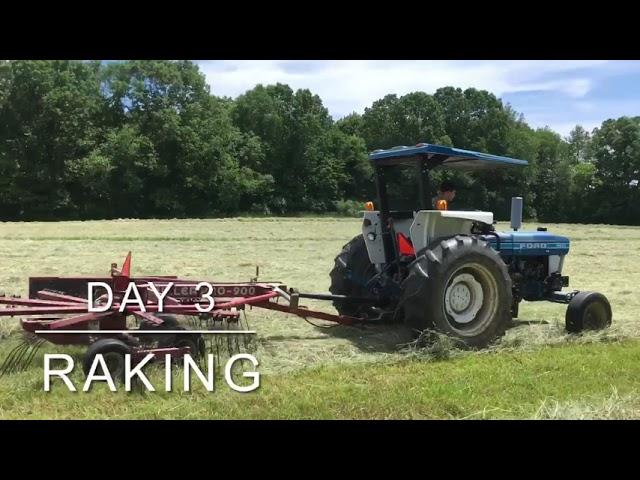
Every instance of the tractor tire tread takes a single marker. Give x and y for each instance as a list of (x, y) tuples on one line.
[(422, 288), (352, 269), (574, 316)]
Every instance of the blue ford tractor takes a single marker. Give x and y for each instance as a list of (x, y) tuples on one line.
[(445, 270)]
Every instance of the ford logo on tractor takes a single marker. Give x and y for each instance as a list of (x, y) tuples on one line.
[(535, 245)]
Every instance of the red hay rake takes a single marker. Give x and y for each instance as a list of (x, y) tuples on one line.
[(58, 311)]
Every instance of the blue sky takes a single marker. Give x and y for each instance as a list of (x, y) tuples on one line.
[(558, 94)]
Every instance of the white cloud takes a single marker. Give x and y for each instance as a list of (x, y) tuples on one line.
[(564, 128), (347, 86)]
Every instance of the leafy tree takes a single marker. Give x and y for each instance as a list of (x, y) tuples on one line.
[(408, 120), (552, 176), (352, 124), (300, 143), (616, 153), (474, 119), (194, 169), (49, 118), (477, 120), (148, 139), (578, 143)]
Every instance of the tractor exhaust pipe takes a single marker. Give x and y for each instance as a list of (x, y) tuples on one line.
[(516, 213)]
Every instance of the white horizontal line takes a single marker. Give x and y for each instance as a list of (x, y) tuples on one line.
[(155, 332)]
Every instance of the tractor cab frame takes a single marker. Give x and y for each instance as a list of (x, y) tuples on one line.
[(424, 158)]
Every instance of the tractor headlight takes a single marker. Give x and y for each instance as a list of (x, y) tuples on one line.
[(371, 236)]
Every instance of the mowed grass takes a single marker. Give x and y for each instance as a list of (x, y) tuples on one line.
[(344, 372)]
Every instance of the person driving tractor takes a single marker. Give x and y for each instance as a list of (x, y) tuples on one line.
[(447, 192)]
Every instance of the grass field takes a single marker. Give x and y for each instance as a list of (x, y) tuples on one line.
[(537, 371)]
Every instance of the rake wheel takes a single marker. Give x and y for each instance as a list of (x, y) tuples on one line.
[(112, 351), (195, 342)]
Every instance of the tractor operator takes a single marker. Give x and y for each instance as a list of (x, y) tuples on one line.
[(447, 191)]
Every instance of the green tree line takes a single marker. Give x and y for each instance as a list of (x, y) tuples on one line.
[(91, 140)]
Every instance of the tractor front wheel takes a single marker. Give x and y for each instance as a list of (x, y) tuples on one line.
[(588, 311), (459, 287)]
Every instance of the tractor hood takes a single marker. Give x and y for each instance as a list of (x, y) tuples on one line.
[(530, 243)]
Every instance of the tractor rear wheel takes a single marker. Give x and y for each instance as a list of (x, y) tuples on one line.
[(350, 275), (461, 288)]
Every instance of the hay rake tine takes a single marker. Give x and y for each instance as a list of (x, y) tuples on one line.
[(14, 361), (244, 324), (14, 358), (34, 350), (215, 342), (10, 360), (233, 325), (247, 338), (236, 346), (19, 360)]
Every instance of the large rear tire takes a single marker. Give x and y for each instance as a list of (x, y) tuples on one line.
[(461, 288), (350, 275)]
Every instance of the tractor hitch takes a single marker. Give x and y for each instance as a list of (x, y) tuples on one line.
[(559, 297), (344, 298)]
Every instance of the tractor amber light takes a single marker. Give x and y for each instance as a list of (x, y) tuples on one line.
[(442, 205), (369, 206)]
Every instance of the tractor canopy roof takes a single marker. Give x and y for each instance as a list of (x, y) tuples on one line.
[(438, 155)]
